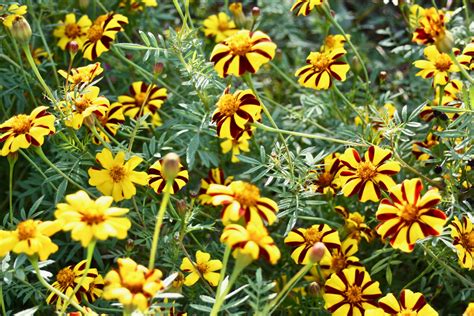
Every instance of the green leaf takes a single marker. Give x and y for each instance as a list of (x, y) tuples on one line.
[(191, 151)]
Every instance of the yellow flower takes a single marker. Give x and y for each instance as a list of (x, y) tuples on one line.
[(157, 178), (110, 121), (72, 30), (304, 7), (321, 68), (220, 26), (410, 304), (118, 177), (332, 42), (236, 145), (13, 11), (419, 148), (133, 285), (102, 33), (431, 25), (23, 130), (325, 179), (69, 277), (341, 258), (39, 54), (469, 310), (79, 106), (245, 51), (90, 220), (215, 176), (137, 5), (252, 240), (451, 97), (30, 237), (355, 225), (203, 266), (463, 239), (82, 75)]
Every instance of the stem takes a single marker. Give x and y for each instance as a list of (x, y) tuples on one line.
[(34, 263), (314, 136), (90, 252), (97, 135), (139, 115), (2, 302), (288, 286), (466, 11), (413, 170), (225, 260), (11, 162), (461, 68), (37, 168), (159, 222), (284, 75), (33, 66), (352, 106)]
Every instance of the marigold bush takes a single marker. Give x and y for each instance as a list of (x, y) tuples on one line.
[(190, 157)]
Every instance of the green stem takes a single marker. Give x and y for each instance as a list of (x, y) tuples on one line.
[(11, 162), (466, 11), (419, 276), (34, 263), (418, 173), (349, 103), (29, 57), (284, 75), (159, 222), (314, 136), (461, 68), (37, 168), (90, 252), (97, 135), (2, 302), (225, 260), (111, 137)]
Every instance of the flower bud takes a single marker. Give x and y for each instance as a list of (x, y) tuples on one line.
[(129, 245), (314, 289), (158, 68), (445, 42), (21, 30), (255, 12), (383, 76), (316, 253), (181, 207), (84, 4), (236, 10), (170, 165), (72, 47)]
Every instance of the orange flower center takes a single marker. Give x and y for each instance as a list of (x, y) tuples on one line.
[(140, 98), (443, 62), (255, 233), (239, 43), (66, 277), (325, 179), (320, 61), (353, 294), (312, 236), (228, 104), (202, 267), (366, 171), (356, 218), (338, 262), (81, 104), (134, 281), (223, 25), (247, 194), (72, 30), (408, 312), (117, 173), (26, 229), (330, 42), (21, 124), (409, 213), (468, 240), (92, 219), (95, 33)]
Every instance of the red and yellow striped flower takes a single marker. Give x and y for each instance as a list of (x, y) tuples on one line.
[(304, 7), (355, 225), (367, 175), (325, 179), (82, 75), (242, 200), (237, 145), (408, 216), (419, 149), (111, 120), (341, 258), (431, 26), (302, 239), (409, 304), (245, 51), (215, 176), (463, 239), (157, 178)]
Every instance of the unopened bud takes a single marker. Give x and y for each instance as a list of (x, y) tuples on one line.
[(170, 165), (445, 42), (314, 289), (72, 47), (383, 76), (357, 68), (83, 4), (21, 30), (129, 245), (12, 158), (255, 12), (181, 207), (158, 68), (316, 253), (236, 10)]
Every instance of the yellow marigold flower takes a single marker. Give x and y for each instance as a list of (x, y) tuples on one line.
[(242, 200), (23, 130), (463, 239), (321, 68), (39, 54), (235, 111), (431, 25), (407, 216), (236, 145), (332, 42), (82, 75), (252, 240), (325, 179), (139, 102), (13, 11), (102, 33), (92, 220), (31, 237), (203, 266), (410, 303), (367, 175), (220, 26), (69, 277), (72, 30), (137, 5), (469, 310), (350, 292), (355, 225), (82, 105), (450, 97), (157, 178), (118, 178), (215, 176), (245, 51), (133, 285), (341, 258), (469, 51), (112, 119), (304, 7), (419, 148), (302, 239), (438, 65)]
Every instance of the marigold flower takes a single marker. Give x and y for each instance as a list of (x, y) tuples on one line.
[(321, 68), (350, 292), (245, 51), (242, 200), (431, 25), (133, 285), (469, 310), (367, 175), (72, 30), (23, 130), (215, 176), (463, 239), (411, 303), (252, 240), (82, 75), (157, 178), (304, 7), (143, 100), (102, 33), (39, 55), (112, 119), (13, 11), (236, 145), (469, 51), (137, 5), (332, 42), (407, 216), (450, 97), (79, 106), (220, 26), (69, 277), (419, 148), (355, 225), (118, 177), (341, 258), (325, 179), (90, 220), (203, 266), (235, 111), (31, 237)]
